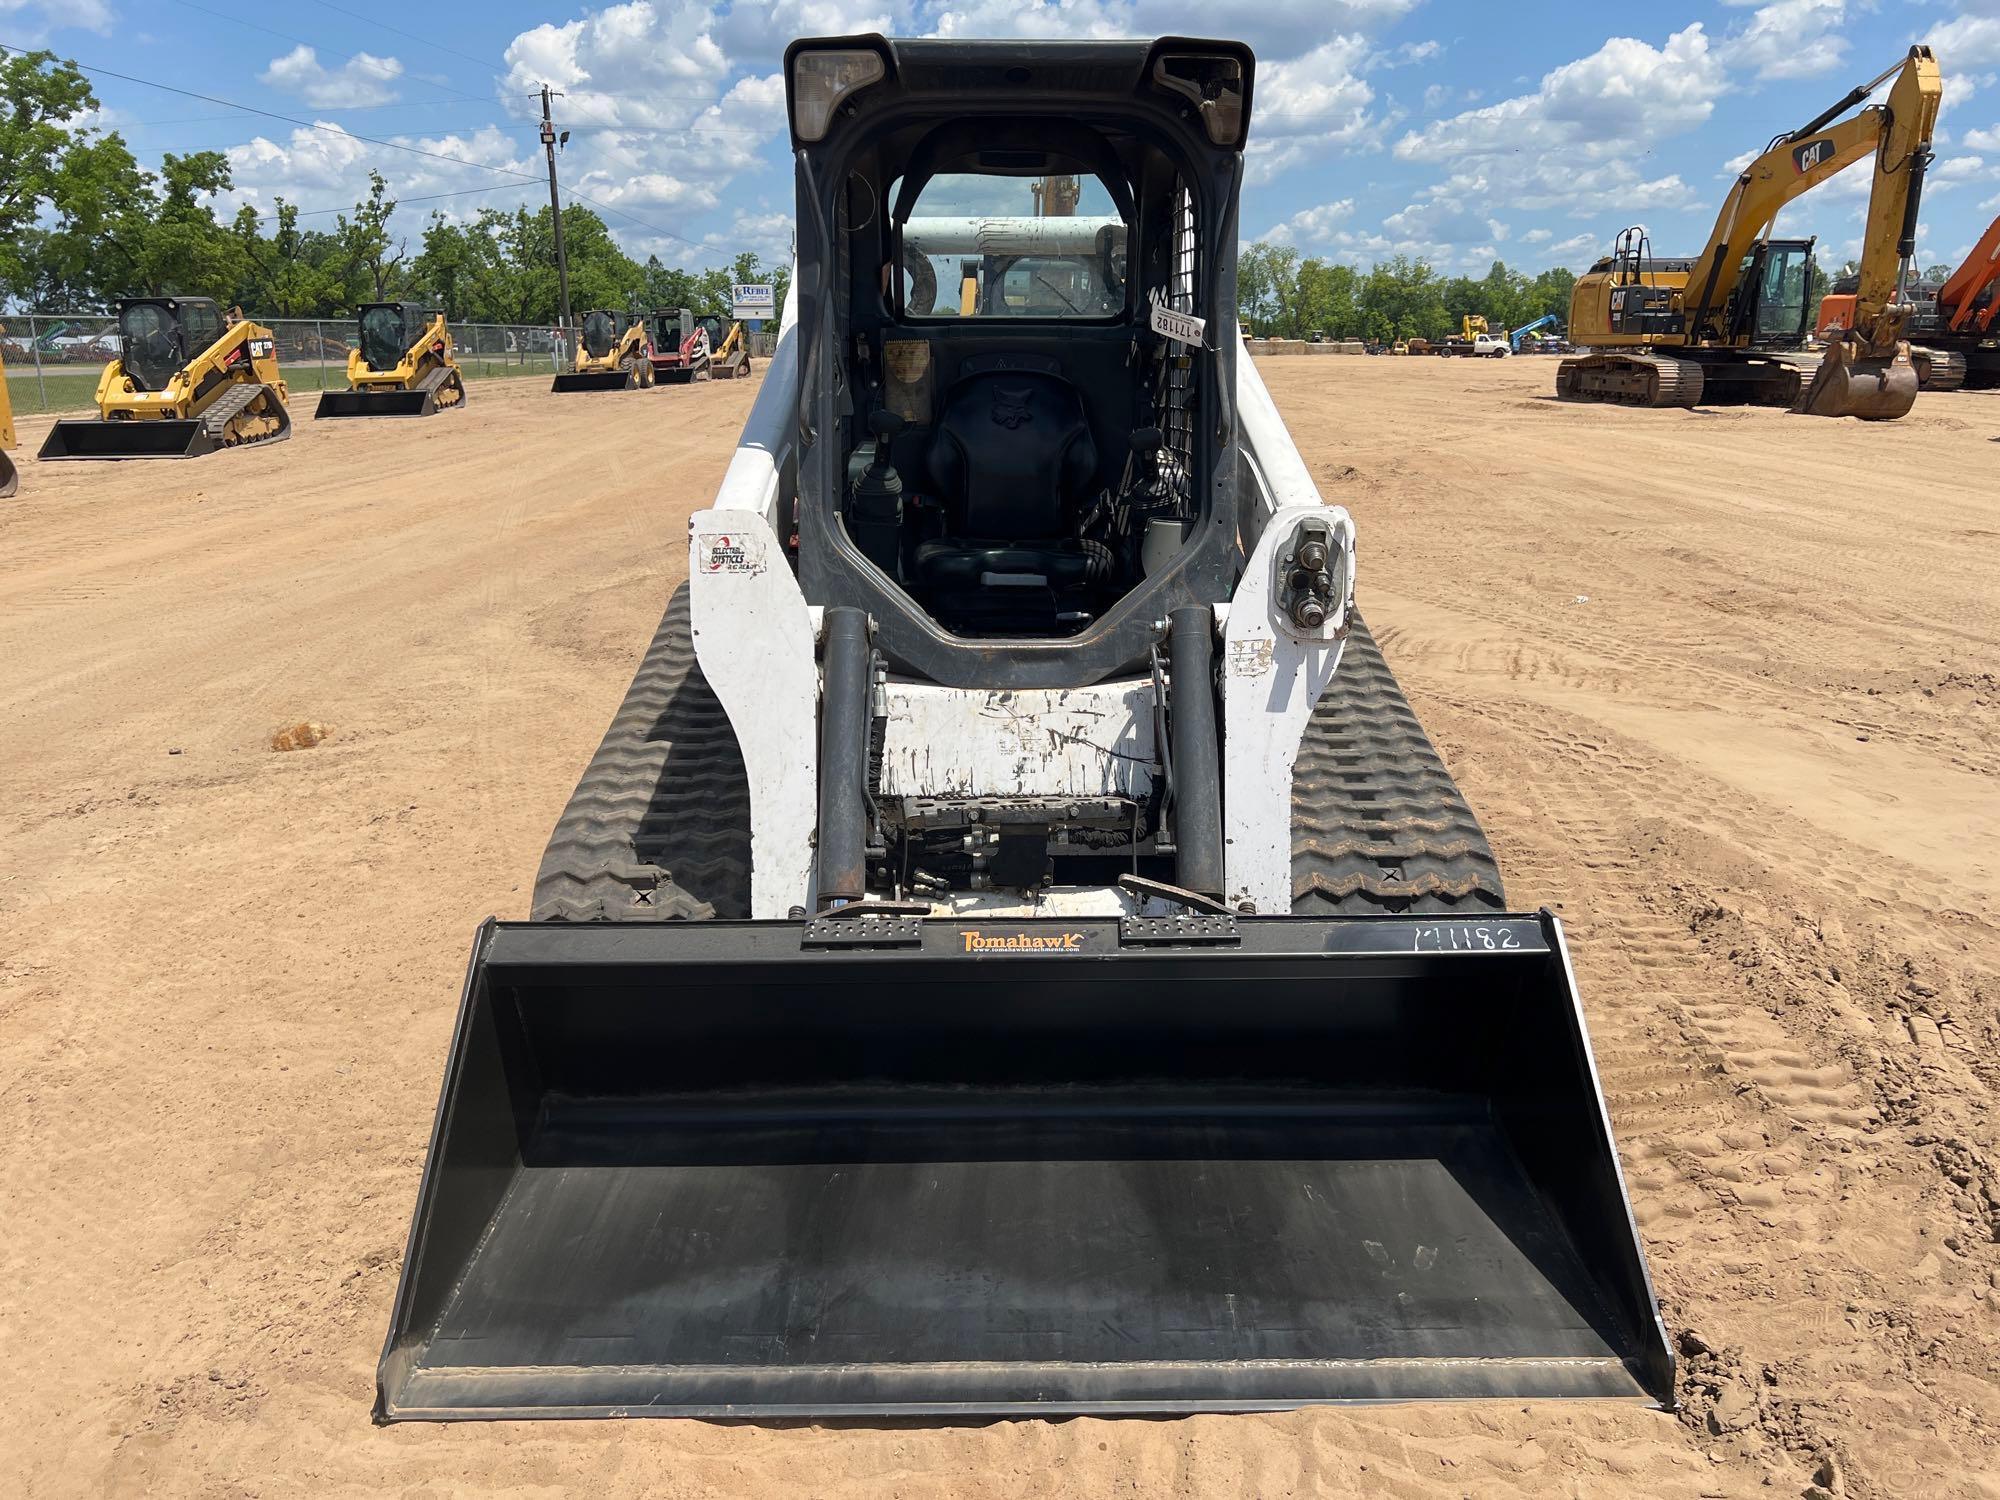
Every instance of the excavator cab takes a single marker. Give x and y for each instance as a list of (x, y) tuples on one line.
[(1772, 301)]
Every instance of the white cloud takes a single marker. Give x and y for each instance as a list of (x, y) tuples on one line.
[(1310, 106), (1626, 94), (326, 167), (1967, 41), (1791, 38), (1981, 140), (1537, 237), (1313, 226), (363, 81), (30, 21), (1277, 29)]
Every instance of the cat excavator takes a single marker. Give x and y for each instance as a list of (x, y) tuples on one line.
[(607, 360), (1717, 327), (402, 365), (188, 379)]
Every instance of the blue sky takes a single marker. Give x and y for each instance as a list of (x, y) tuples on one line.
[(1459, 130)]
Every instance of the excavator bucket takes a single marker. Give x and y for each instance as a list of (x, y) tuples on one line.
[(1849, 384), (596, 380), (388, 402), (10, 477), (942, 1167), (86, 437)]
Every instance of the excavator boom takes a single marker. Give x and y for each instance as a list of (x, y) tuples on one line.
[(1958, 298), (1867, 371)]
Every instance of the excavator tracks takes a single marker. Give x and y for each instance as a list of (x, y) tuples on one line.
[(1378, 825), (1938, 369), (1651, 380), (659, 827)]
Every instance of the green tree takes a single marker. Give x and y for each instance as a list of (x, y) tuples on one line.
[(1326, 302), (373, 259), (173, 242), (62, 185)]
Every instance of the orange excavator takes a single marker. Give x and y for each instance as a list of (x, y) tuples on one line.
[(1960, 298), (1952, 339)]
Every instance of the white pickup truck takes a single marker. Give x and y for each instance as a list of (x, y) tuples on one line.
[(1489, 345)]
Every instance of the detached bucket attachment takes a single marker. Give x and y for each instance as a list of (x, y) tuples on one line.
[(82, 437), (377, 403), (1847, 384), (596, 380), (885, 1166)]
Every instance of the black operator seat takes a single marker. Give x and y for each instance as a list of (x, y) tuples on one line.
[(1013, 462)]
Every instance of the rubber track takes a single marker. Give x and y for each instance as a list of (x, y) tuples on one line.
[(1377, 822), (658, 829)]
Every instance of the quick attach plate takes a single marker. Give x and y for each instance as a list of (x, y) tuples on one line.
[(1184, 928), (863, 932)]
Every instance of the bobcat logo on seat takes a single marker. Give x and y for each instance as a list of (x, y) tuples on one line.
[(1010, 408)]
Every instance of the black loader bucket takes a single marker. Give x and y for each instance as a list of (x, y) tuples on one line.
[(387, 402), (83, 437), (1041, 1167), (596, 380)]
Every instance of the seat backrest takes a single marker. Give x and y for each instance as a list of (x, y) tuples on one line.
[(1012, 455)]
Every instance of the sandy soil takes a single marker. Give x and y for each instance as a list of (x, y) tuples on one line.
[(1720, 684)]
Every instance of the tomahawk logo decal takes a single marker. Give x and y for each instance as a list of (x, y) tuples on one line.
[(1811, 154), (1022, 942)]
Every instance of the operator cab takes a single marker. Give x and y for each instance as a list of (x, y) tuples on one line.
[(1773, 297), (1031, 316), (388, 329), (600, 332), (671, 327), (158, 336)]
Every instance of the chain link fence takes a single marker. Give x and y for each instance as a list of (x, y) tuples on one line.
[(54, 359)]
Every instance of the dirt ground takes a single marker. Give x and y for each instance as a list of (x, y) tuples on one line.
[(1721, 685)]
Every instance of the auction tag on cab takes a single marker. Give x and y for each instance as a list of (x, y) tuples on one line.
[(1178, 326)]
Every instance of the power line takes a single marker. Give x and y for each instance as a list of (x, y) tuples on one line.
[(367, 139), (406, 35), (285, 119), (398, 201), (313, 47)]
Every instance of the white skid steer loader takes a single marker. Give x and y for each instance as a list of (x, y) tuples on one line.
[(1015, 949)]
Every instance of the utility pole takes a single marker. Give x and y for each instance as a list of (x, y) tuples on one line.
[(555, 210)]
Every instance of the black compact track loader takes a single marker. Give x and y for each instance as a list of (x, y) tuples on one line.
[(1016, 951)]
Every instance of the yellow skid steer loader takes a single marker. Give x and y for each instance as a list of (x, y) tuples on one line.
[(607, 360), (10, 477), (188, 380), (402, 364)]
